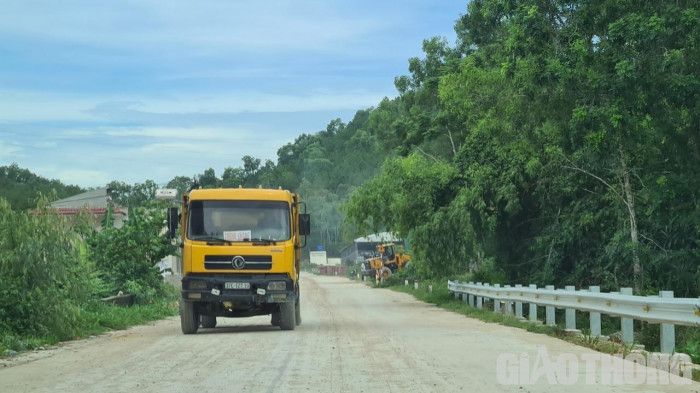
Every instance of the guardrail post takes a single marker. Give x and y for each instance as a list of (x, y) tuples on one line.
[(465, 295), (532, 308), (479, 299), (468, 296), (549, 310), (595, 316), (518, 305), (668, 330), (627, 324), (570, 313), (508, 305), (496, 302)]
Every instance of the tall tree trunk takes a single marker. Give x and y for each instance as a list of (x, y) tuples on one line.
[(452, 142), (634, 234)]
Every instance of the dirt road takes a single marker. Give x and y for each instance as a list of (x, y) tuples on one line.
[(353, 339)]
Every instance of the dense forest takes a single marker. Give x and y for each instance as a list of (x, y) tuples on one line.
[(555, 142)]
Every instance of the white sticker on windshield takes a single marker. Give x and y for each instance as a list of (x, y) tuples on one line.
[(237, 236)]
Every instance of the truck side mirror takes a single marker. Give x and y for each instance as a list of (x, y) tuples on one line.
[(173, 220), (304, 224)]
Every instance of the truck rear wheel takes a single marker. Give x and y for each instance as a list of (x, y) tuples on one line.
[(297, 311), (189, 323), (288, 316), (275, 321), (208, 321)]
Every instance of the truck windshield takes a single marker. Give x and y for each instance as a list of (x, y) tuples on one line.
[(239, 220)]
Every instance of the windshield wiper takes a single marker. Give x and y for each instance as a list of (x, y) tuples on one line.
[(213, 240), (261, 241)]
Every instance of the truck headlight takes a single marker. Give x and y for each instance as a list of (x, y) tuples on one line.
[(198, 285), (277, 286)]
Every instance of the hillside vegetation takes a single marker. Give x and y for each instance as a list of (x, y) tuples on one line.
[(555, 142)]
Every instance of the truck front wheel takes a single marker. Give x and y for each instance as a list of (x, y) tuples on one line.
[(288, 317), (189, 323), (297, 312)]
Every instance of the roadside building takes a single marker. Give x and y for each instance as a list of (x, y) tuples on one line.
[(96, 203)]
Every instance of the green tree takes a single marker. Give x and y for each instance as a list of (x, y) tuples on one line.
[(132, 195), (181, 183), (126, 256)]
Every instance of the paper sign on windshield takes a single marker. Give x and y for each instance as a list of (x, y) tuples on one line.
[(237, 236)]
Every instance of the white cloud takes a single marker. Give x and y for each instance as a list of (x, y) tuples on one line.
[(45, 144), (212, 148), (86, 177), (18, 105), (82, 177), (43, 106), (73, 134), (258, 102), (169, 133), (8, 151), (199, 26), (134, 154)]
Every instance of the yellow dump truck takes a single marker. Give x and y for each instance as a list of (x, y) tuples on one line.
[(241, 255)]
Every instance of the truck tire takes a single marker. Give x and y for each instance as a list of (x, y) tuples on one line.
[(288, 316), (189, 323), (208, 321), (275, 321), (297, 311)]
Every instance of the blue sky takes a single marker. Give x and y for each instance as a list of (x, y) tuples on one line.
[(93, 91)]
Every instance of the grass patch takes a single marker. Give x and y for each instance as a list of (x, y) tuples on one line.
[(95, 318)]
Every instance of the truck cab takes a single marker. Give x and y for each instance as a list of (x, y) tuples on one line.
[(241, 256)]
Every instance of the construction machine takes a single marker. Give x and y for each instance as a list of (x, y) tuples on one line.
[(390, 258)]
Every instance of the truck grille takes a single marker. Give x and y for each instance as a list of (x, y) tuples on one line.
[(252, 262)]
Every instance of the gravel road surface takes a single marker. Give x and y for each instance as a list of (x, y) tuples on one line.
[(353, 339)]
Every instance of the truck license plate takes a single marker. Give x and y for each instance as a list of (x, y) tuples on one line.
[(237, 285)]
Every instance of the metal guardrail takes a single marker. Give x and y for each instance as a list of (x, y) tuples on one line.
[(663, 309)]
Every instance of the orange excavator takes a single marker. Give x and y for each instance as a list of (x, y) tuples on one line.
[(390, 259)]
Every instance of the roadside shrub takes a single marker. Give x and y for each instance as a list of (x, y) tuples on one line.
[(43, 276), (407, 273), (488, 272), (126, 256)]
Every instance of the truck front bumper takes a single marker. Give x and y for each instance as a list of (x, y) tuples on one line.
[(212, 288)]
